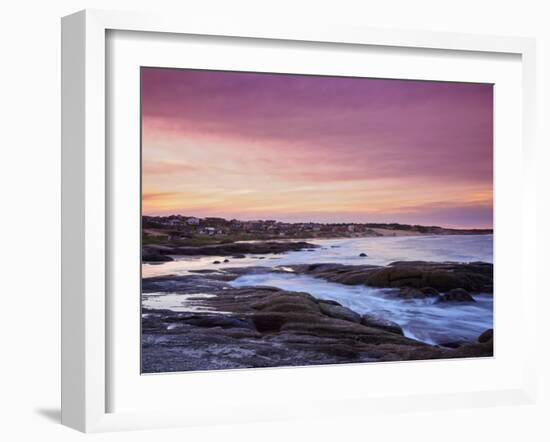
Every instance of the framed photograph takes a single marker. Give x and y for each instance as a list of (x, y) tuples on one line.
[(275, 222)]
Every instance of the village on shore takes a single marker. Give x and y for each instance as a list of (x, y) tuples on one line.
[(180, 228)]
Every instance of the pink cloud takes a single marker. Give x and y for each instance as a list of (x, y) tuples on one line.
[(221, 130)]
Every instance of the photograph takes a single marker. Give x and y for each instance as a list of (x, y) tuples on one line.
[(292, 220)]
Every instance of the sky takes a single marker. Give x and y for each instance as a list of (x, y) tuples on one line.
[(301, 148)]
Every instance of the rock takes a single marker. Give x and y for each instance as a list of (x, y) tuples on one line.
[(429, 291), (452, 344), (486, 336), (241, 248), (339, 312), (216, 262), (225, 260), (287, 303), (329, 301), (155, 257), (270, 327), (384, 324), (158, 248), (441, 277), (412, 293), (362, 255), (269, 322), (475, 350), (456, 295), (212, 320)]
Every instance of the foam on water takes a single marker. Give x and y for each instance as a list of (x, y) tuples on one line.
[(421, 319)]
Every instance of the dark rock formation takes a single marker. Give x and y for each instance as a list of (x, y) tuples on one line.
[(362, 255), (334, 310), (456, 295), (486, 336), (155, 253), (269, 327), (234, 249), (442, 277), (429, 291), (155, 257), (410, 292), (384, 324)]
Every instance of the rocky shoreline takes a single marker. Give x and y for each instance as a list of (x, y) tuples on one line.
[(161, 253), (270, 327)]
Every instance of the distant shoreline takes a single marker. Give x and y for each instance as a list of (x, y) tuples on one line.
[(179, 230), (383, 235)]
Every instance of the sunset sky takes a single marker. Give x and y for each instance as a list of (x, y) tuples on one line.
[(311, 148)]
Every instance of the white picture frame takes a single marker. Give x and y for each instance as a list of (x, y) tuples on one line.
[(86, 202)]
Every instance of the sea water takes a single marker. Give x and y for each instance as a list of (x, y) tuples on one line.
[(421, 319)]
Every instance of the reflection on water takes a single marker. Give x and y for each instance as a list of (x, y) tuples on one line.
[(380, 251)]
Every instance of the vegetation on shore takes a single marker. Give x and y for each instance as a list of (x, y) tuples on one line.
[(181, 231)]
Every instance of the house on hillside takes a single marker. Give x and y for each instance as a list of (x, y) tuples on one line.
[(172, 222)]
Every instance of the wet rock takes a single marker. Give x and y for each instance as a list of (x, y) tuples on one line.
[(212, 320), (429, 291), (158, 249), (339, 312), (269, 327), (329, 301), (362, 255), (441, 277), (474, 350), (413, 293), (216, 262), (486, 336), (236, 249), (452, 344), (384, 324), (225, 260), (287, 303), (410, 293), (153, 257), (156, 253), (456, 295)]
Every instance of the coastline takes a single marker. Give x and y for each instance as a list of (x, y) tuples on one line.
[(266, 326)]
